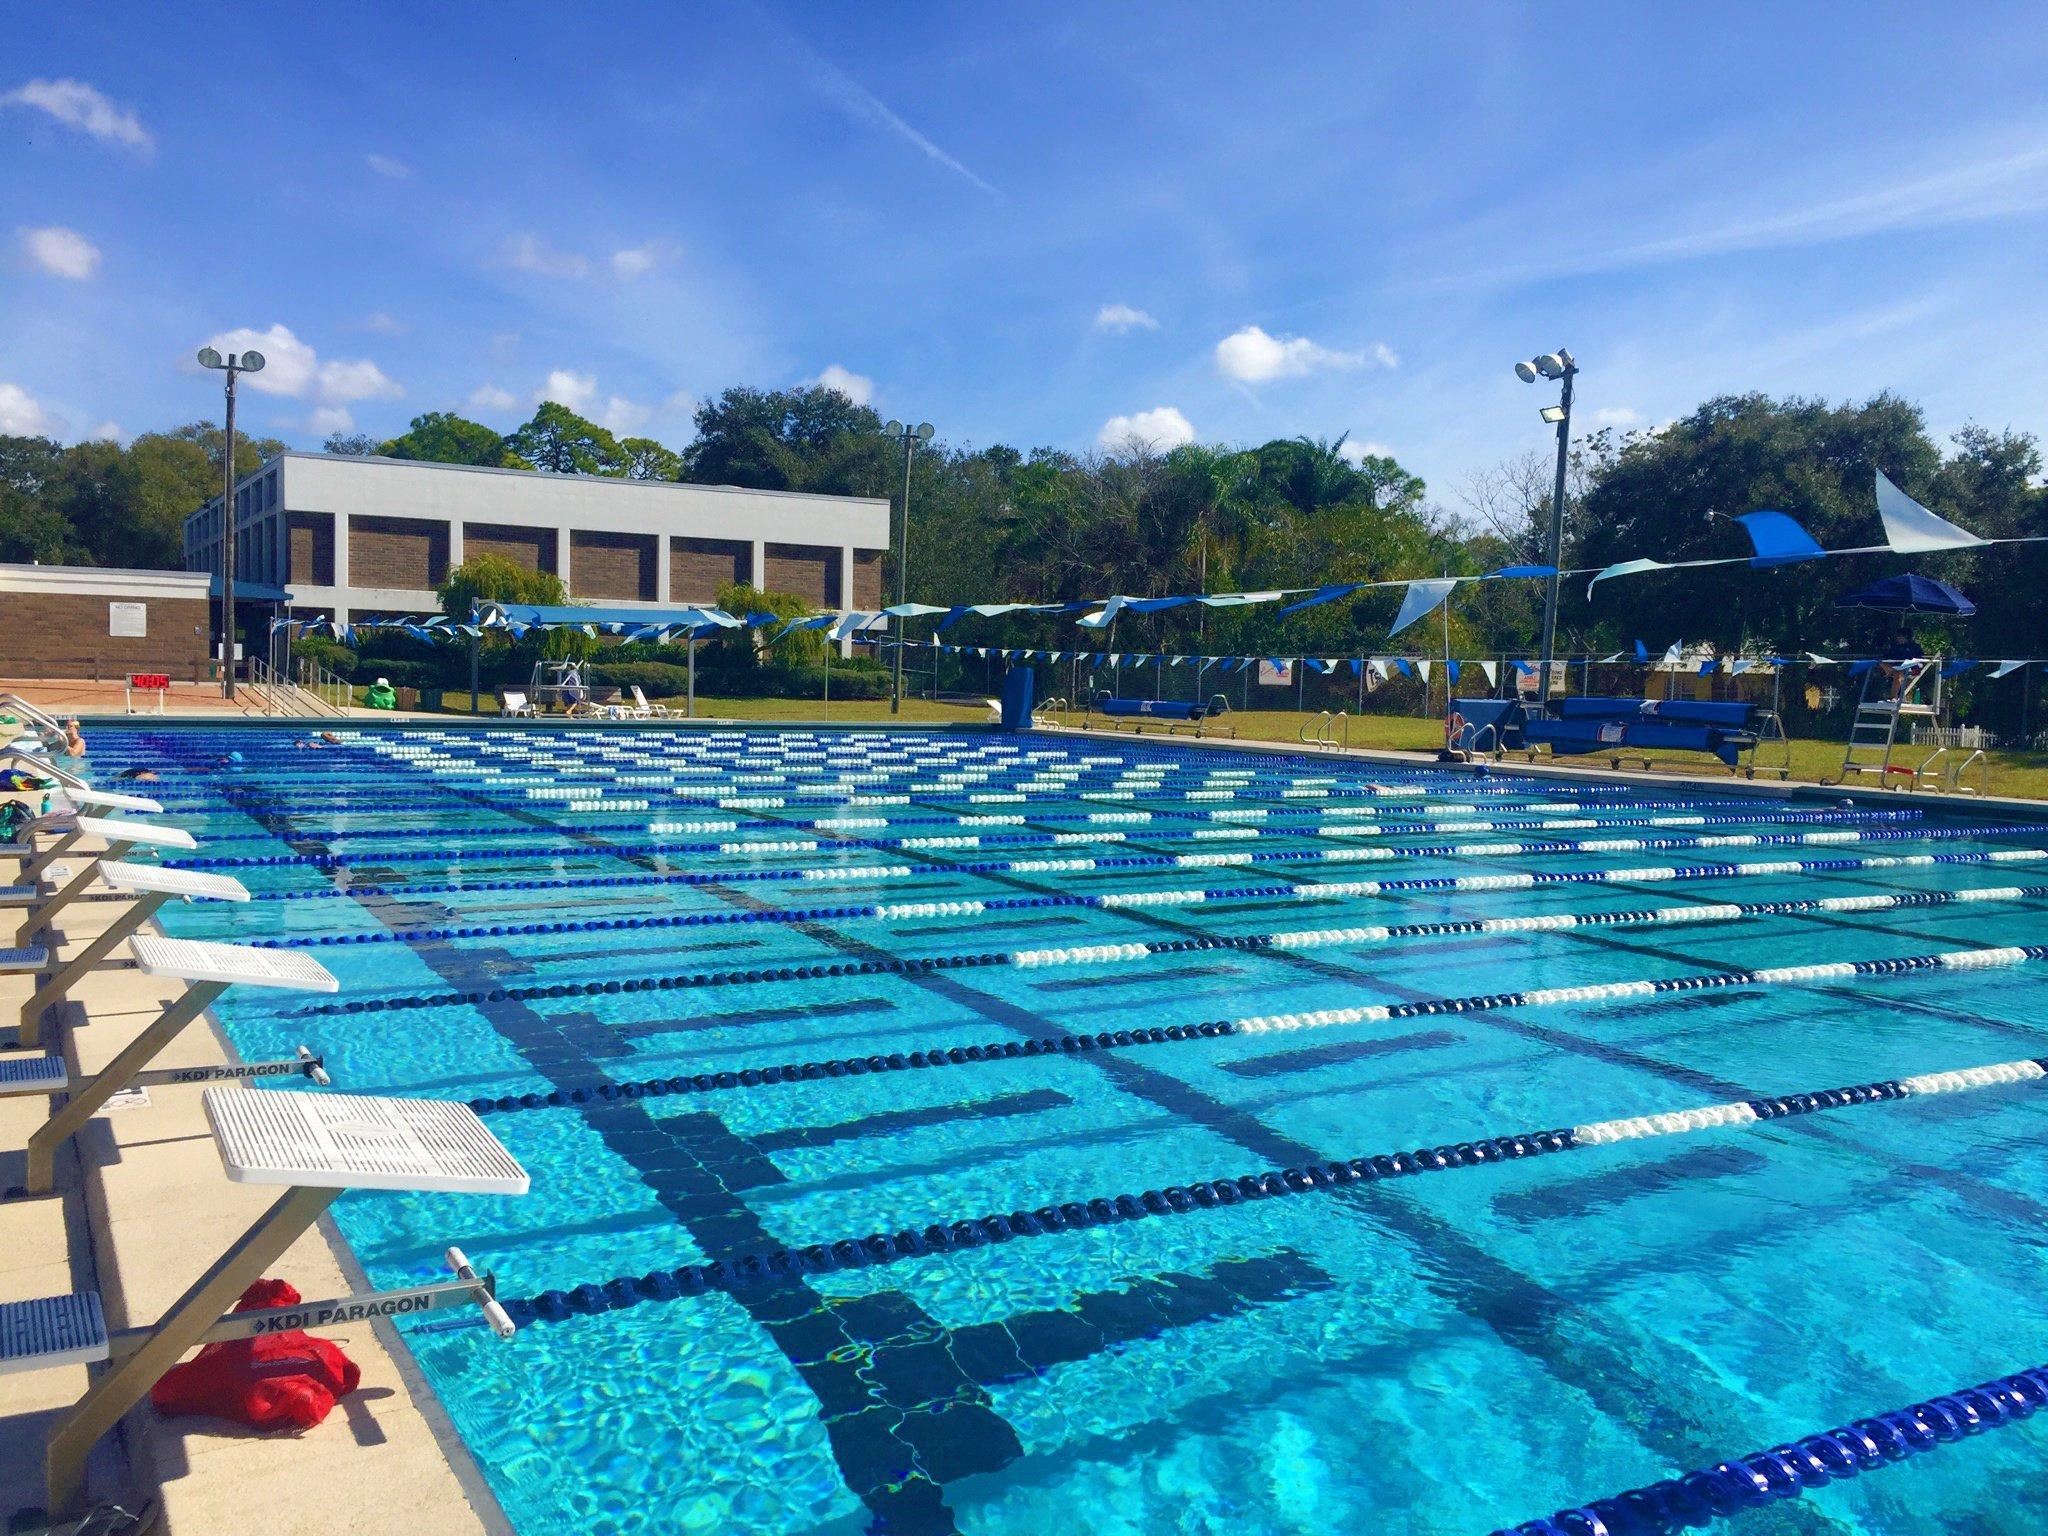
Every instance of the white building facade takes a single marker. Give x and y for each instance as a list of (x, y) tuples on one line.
[(353, 536)]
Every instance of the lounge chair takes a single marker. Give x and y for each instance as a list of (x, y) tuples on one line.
[(1169, 715), (514, 703), (642, 710)]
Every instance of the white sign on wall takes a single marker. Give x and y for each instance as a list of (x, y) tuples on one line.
[(128, 621), (1275, 674)]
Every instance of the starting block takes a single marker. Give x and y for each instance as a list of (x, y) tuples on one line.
[(315, 1146), (149, 886), (121, 838), (210, 969)]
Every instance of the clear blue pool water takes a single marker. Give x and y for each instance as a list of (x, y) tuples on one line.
[(1446, 1354)]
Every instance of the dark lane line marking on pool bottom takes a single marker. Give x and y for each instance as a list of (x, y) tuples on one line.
[(891, 1122), (1339, 1053), (749, 1016), (1610, 1187)]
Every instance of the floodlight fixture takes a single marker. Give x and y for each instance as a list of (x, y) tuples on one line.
[(208, 358), (1526, 372), (252, 362), (893, 428), (1552, 414)]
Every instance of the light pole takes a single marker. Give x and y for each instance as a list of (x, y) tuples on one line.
[(910, 438), (1553, 365), (231, 365)]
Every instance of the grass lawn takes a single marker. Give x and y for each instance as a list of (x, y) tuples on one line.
[(2018, 774)]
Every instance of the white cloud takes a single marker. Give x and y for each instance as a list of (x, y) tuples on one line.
[(357, 380), (106, 432), (622, 417), (682, 403), (578, 391), (330, 418), (1251, 356), (530, 253), (382, 323), (1160, 427), (1354, 452), (857, 387), (291, 367), (1616, 416), (61, 252), (22, 415), (488, 397), (1122, 317), (639, 260), (386, 165), (80, 106), (1386, 356)]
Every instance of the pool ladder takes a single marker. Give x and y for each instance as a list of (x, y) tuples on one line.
[(1326, 728)]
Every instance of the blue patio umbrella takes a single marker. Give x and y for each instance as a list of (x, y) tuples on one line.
[(1911, 593)]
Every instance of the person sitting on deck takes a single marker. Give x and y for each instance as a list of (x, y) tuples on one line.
[(381, 695), (1904, 649)]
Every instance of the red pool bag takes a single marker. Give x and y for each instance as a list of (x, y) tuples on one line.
[(273, 1381)]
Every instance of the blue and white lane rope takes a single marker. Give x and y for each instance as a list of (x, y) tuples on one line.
[(905, 911), (1287, 940), (444, 857), (877, 873), (1011, 1049), (780, 1265), (1813, 1461)]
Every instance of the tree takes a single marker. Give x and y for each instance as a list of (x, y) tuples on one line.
[(648, 460), (212, 440), (493, 578), (442, 437), (351, 444), (560, 442), (747, 647), (808, 439), (32, 529)]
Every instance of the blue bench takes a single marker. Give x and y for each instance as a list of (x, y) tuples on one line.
[(1169, 715), (1636, 728)]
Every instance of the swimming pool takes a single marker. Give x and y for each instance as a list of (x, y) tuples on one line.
[(826, 963)]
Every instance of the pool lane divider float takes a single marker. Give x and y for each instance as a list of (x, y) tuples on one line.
[(1262, 1024), (1283, 940), (1328, 821), (1100, 900), (446, 857), (1112, 901), (780, 1265), (1812, 1461)]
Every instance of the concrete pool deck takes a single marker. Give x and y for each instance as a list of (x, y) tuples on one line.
[(141, 1210)]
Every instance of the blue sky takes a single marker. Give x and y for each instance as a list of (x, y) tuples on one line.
[(1024, 223)]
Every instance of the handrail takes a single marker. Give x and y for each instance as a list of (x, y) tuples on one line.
[(1955, 774), (1323, 730)]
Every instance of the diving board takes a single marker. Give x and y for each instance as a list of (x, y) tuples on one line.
[(315, 1147), (209, 970), (148, 886)]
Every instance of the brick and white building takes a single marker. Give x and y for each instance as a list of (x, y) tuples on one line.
[(351, 536)]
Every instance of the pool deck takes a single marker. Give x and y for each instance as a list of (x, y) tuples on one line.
[(141, 1210)]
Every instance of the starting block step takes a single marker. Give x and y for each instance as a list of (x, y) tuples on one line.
[(33, 1074), (17, 895), (155, 880), (14, 961), (357, 1141), (52, 1330), (197, 960)]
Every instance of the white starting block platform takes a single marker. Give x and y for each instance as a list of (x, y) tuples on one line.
[(231, 964), (209, 969), (155, 880), (52, 1330), (31, 958), (33, 1074), (353, 1141), (107, 800), (136, 834), (316, 1146)]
